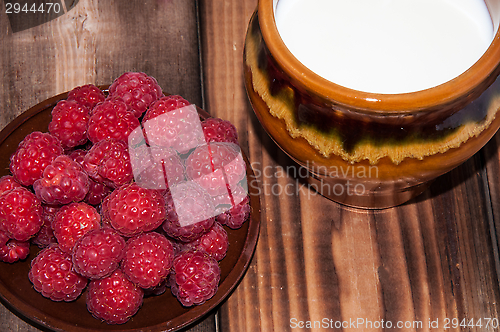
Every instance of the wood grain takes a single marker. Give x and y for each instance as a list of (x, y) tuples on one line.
[(491, 157), (96, 42), (318, 263)]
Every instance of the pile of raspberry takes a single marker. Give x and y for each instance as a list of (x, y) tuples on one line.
[(108, 228)]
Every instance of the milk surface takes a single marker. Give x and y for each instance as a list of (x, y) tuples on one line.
[(386, 46)]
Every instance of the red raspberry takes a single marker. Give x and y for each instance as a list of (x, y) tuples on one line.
[(114, 299), (52, 275), (97, 193), (34, 153), (49, 213), (196, 209), (111, 119), (87, 95), (218, 130), (12, 250), (215, 243), (164, 105), (45, 236), (72, 222), (171, 122), (7, 183), (20, 214), (132, 210), (137, 90), (148, 259), (78, 155), (171, 164), (69, 123), (108, 162), (98, 253), (237, 215), (217, 167), (155, 167), (64, 181), (195, 277), (3, 238), (225, 201)]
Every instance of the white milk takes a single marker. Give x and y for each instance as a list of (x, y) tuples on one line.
[(386, 46)]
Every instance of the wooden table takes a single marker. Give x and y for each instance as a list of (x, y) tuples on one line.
[(432, 260)]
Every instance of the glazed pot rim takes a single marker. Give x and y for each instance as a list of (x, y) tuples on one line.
[(486, 69)]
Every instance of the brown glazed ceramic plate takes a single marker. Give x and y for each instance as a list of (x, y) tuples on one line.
[(158, 313)]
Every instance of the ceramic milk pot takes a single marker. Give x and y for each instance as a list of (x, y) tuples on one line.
[(364, 149)]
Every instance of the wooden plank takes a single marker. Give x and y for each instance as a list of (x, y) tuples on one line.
[(223, 28), (95, 42), (159, 38), (10, 322), (492, 160), (320, 263)]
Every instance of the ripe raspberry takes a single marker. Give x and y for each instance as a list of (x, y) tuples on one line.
[(64, 181), (12, 250), (155, 167), (164, 105), (195, 277), (218, 130), (148, 259), (7, 183), (77, 155), (171, 122), (217, 167), (108, 162), (72, 222), (225, 201), (132, 210), (52, 275), (3, 238), (49, 213), (196, 209), (114, 299), (20, 214), (237, 215), (111, 119), (69, 123), (87, 95), (97, 193), (45, 235), (215, 243), (98, 253), (137, 90), (34, 153)]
